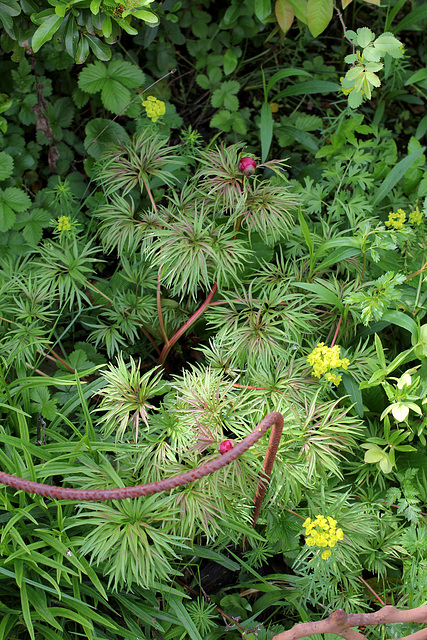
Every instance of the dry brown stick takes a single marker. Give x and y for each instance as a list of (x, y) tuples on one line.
[(341, 624)]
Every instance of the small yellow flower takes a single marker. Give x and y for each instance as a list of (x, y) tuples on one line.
[(323, 359), (322, 532), (416, 217), (154, 108), (64, 224), (396, 219), (274, 106)]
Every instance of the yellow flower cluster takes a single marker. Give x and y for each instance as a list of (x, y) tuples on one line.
[(323, 359), (322, 532), (396, 219), (154, 108), (274, 107), (416, 217), (64, 224)]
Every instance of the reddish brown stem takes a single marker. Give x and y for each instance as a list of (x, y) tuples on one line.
[(167, 347), (374, 593), (270, 456), (336, 331), (274, 420)]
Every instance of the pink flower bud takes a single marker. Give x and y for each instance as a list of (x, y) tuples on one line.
[(247, 166), (225, 446)]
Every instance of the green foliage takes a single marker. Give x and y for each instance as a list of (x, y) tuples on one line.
[(157, 301)]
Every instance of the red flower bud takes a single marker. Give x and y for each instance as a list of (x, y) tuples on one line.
[(247, 166), (225, 446)]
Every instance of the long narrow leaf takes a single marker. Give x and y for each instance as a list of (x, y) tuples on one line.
[(181, 613), (395, 175)]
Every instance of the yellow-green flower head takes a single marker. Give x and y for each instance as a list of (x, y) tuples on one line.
[(396, 219), (154, 108), (64, 224), (322, 532), (323, 359), (416, 217)]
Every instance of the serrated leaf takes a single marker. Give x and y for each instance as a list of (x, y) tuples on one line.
[(16, 199), (127, 73), (6, 165), (364, 37), (93, 77), (319, 15), (45, 31), (115, 97), (7, 217), (355, 99), (386, 42), (285, 14), (231, 102)]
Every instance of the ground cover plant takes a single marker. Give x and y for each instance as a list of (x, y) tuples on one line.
[(208, 213)]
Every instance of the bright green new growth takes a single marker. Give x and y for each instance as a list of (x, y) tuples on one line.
[(359, 81)]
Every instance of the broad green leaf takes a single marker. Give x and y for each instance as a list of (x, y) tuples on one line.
[(115, 97), (107, 27), (395, 175), (386, 465), (101, 134), (285, 14), (71, 36), (300, 8), (99, 49), (82, 51), (45, 31), (374, 454), (230, 61), (266, 130), (147, 16), (94, 6), (262, 9), (6, 165), (319, 15)]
